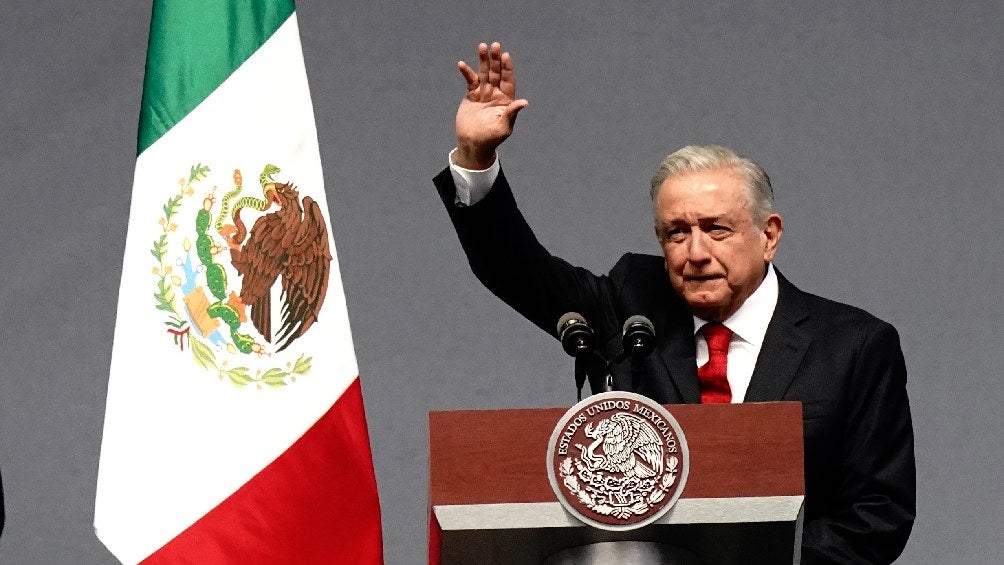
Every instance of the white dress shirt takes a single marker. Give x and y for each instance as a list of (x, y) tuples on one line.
[(748, 324)]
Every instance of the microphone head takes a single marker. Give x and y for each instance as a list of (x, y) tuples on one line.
[(639, 336), (574, 333)]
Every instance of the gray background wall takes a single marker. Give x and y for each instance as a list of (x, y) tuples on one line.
[(880, 124)]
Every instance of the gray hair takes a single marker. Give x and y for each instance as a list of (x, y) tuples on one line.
[(694, 158)]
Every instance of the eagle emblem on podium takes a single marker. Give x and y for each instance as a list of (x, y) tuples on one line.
[(617, 461)]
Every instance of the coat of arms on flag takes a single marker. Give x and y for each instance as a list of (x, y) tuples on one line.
[(215, 277)]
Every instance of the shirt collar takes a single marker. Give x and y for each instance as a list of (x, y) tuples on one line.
[(750, 321)]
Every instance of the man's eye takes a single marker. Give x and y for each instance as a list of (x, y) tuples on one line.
[(717, 230), (675, 234)]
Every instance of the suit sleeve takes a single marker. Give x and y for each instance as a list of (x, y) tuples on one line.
[(873, 510), (508, 259)]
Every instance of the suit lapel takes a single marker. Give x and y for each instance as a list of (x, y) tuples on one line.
[(784, 346), (680, 360)]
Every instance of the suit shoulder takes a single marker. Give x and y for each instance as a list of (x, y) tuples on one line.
[(639, 265), (641, 283), (838, 316), (641, 271)]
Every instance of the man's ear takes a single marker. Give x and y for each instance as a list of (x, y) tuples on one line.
[(773, 228)]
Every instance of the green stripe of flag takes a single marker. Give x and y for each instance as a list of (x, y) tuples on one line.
[(194, 46)]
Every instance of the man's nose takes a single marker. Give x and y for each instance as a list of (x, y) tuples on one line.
[(697, 248)]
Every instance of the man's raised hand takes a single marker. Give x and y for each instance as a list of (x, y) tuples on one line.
[(488, 110)]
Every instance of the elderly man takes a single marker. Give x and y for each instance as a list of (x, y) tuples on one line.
[(730, 327)]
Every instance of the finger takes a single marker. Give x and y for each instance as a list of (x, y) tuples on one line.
[(483, 64), (495, 64), (508, 79), (469, 75), (515, 106)]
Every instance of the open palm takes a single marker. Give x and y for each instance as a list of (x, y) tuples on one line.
[(488, 110)]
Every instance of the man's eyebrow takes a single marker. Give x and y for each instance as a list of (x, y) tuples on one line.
[(712, 219), (700, 219), (663, 224)]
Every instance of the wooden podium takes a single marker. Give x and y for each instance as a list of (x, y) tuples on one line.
[(491, 502)]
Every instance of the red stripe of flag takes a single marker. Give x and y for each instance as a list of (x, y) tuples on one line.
[(316, 503)]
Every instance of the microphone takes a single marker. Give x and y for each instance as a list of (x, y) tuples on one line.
[(577, 340), (575, 333), (639, 336), (638, 341)]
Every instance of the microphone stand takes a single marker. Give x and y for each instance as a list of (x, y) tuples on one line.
[(591, 366)]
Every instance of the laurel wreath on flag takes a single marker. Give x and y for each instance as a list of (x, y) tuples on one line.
[(595, 484), (178, 325)]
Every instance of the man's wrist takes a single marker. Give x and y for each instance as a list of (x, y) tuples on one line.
[(472, 184), (471, 157)]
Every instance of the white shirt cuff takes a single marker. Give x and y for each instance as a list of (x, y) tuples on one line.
[(472, 185)]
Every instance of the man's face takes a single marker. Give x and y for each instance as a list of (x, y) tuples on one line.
[(715, 255)]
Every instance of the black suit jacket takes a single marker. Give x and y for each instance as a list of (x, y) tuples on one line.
[(843, 364)]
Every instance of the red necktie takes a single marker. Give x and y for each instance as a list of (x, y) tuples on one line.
[(713, 375)]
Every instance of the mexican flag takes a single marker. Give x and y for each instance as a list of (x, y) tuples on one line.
[(234, 428)]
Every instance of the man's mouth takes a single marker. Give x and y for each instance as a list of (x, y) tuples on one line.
[(702, 278)]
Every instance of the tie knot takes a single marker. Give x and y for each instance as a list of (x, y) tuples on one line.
[(717, 336)]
